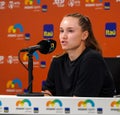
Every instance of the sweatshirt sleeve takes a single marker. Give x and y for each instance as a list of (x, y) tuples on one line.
[(50, 81)]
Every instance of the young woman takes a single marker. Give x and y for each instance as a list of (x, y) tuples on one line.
[(81, 70)]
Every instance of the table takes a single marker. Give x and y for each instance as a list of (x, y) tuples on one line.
[(38, 105)]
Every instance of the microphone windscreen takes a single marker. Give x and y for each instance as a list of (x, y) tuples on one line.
[(47, 46), (52, 45)]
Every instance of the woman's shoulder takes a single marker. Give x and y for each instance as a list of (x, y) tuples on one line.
[(91, 53)]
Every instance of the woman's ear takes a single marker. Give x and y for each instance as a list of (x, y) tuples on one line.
[(85, 35)]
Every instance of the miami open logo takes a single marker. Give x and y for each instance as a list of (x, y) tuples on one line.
[(15, 28), (32, 4), (14, 85), (24, 106), (22, 103), (86, 106), (0, 106), (54, 106), (36, 62), (16, 31), (115, 106), (93, 3), (0, 103)]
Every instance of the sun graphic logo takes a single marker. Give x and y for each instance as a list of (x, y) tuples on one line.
[(85, 103), (23, 102), (32, 5), (35, 55), (24, 106), (35, 59), (115, 106), (115, 103), (14, 85), (91, 1), (54, 105), (30, 2), (86, 106), (0, 103), (13, 28), (16, 31)]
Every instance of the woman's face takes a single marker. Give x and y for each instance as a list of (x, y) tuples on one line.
[(71, 35)]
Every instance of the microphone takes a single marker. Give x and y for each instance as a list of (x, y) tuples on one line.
[(44, 47)]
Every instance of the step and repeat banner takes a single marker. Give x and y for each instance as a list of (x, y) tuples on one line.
[(24, 23)]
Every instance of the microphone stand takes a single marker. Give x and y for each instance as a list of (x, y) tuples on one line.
[(30, 72), (30, 77)]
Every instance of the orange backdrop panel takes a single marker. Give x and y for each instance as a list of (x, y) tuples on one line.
[(32, 16)]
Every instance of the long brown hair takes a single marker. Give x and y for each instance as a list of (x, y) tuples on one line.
[(86, 25)]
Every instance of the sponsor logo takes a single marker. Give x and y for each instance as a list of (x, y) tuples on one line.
[(110, 29), (48, 30), (115, 106), (14, 85), (86, 106), (54, 106)]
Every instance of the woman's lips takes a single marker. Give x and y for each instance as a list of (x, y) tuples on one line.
[(63, 42)]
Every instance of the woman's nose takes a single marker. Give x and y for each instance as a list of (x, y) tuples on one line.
[(64, 35)]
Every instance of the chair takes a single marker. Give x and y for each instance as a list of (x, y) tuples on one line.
[(114, 66)]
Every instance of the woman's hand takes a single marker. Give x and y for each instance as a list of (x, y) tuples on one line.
[(47, 93)]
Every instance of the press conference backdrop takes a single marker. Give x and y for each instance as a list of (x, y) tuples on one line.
[(24, 23)]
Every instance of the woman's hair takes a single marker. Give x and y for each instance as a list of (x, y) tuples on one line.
[(86, 25)]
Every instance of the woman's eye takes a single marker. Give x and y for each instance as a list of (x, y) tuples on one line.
[(61, 31), (70, 30)]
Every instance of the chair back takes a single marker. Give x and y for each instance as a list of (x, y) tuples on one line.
[(114, 66)]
